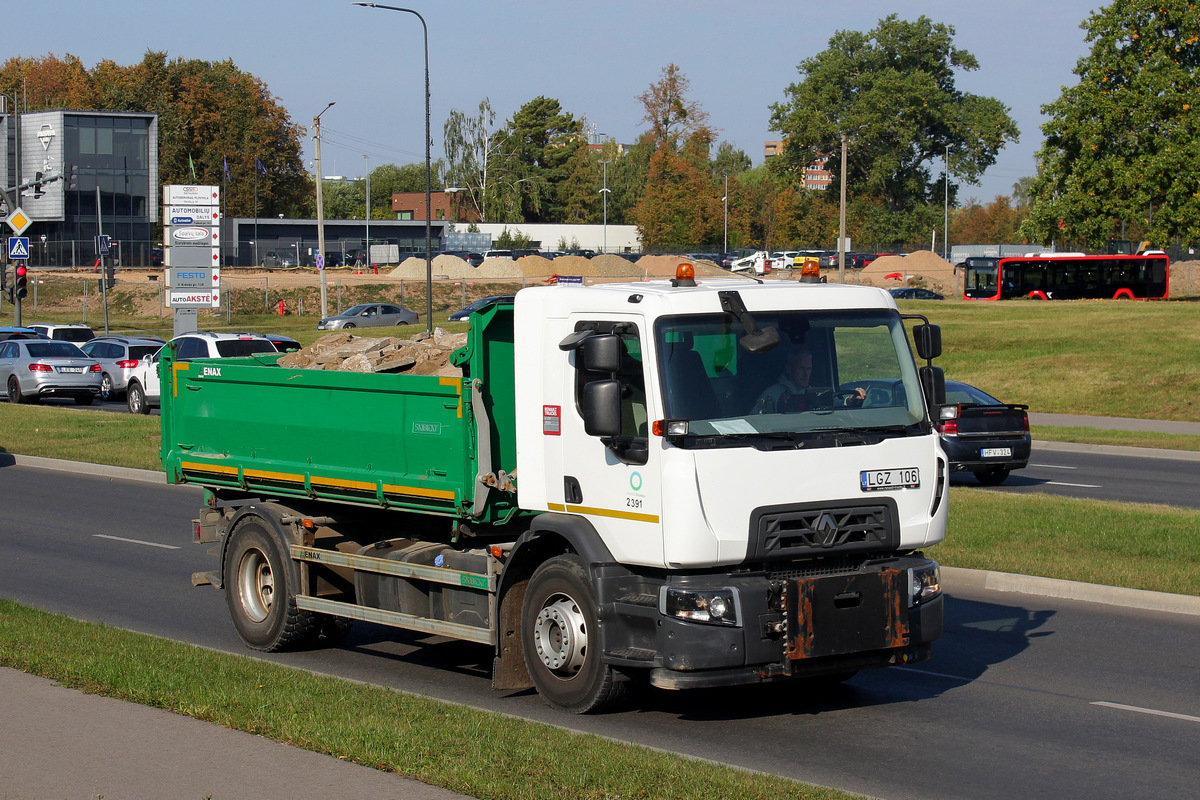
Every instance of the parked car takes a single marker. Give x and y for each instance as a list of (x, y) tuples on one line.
[(498, 254), (914, 293), (143, 391), (284, 344), (462, 314), (278, 259), (66, 332), (119, 357), (982, 435), (783, 259), (35, 368), (581, 252), (18, 332), (522, 253), (369, 315), (474, 259)]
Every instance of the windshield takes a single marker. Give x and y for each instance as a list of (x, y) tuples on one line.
[(54, 350), (831, 371)]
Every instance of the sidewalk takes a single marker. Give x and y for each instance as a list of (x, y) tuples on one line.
[(1115, 423), (63, 743)]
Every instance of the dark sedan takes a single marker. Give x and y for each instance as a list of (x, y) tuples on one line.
[(982, 435), (915, 293), (462, 314)]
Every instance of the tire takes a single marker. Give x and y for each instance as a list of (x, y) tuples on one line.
[(85, 399), (14, 392), (560, 627), (993, 476), (348, 326), (106, 388), (260, 595), (135, 399)]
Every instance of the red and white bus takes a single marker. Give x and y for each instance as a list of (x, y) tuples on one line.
[(1071, 276)]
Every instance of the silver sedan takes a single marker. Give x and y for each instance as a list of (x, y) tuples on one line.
[(35, 368), (369, 315)]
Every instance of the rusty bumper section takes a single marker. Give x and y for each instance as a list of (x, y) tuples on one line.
[(842, 614)]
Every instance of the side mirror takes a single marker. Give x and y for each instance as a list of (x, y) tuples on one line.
[(600, 353), (933, 382), (600, 403), (928, 339)]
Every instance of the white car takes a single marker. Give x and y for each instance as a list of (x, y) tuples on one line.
[(144, 392), (75, 332)]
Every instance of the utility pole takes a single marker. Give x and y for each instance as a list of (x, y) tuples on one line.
[(842, 219), (367, 168), (320, 214)]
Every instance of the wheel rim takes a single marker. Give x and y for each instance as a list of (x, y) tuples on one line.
[(105, 387), (256, 585), (14, 391), (560, 635), (135, 399)]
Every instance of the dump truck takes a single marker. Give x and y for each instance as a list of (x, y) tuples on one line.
[(601, 497)]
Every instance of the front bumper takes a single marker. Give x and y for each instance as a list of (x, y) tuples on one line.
[(788, 627)]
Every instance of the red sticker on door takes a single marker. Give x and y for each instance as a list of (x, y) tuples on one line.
[(550, 420)]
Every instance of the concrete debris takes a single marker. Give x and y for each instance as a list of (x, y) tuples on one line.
[(422, 355)]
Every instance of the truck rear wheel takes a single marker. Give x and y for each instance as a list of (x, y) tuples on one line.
[(560, 626), (258, 591)]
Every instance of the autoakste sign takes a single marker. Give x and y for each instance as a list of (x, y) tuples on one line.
[(192, 298)]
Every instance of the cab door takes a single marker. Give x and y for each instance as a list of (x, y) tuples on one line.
[(612, 479)]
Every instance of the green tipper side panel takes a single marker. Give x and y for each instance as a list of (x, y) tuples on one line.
[(385, 440)]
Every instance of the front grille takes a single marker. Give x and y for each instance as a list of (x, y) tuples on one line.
[(811, 530)]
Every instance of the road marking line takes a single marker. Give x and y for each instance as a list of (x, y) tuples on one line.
[(1076, 485), (136, 541), (1052, 466), (1152, 711), (931, 672)]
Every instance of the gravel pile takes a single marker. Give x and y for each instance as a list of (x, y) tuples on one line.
[(605, 266)]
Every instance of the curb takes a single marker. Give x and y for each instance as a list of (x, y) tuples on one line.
[(958, 577), (83, 468)]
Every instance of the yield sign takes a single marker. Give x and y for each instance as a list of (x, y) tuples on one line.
[(18, 221)]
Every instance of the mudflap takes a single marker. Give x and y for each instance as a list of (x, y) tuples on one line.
[(844, 614)]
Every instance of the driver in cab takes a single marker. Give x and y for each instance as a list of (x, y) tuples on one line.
[(791, 391)]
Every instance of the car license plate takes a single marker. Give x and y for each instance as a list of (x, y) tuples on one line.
[(996, 452), (71, 369), (882, 480)]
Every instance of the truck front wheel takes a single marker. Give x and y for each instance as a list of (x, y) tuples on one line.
[(259, 593), (560, 625)]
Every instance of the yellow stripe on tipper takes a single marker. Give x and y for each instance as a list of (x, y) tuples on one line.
[(176, 368), (287, 477), (417, 491), (457, 384), (214, 468)]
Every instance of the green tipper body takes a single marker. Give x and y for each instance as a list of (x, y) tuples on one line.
[(411, 442)]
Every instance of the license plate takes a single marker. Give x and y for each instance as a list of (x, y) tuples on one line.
[(70, 369), (882, 480), (996, 452)]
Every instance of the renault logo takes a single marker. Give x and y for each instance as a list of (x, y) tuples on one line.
[(826, 530)]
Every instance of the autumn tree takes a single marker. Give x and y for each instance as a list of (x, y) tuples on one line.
[(996, 222), (680, 207), (1121, 145), (892, 92), (210, 114)]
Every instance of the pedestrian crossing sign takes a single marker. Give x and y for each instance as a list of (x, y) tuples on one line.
[(18, 247)]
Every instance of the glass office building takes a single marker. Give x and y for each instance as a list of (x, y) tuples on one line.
[(109, 164)]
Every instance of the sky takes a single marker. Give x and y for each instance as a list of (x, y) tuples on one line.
[(594, 58)]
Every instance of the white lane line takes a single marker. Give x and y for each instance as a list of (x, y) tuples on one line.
[(136, 541), (1076, 485), (1152, 711), (1052, 466)]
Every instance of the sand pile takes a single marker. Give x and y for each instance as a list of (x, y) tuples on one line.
[(345, 352), (924, 267), (604, 266)]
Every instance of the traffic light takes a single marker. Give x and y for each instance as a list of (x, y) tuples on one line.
[(21, 284)]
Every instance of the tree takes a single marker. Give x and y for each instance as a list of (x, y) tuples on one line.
[(533, 151), (209, 114), (892, 93), (1122, 144), (680, 206), (467, 141), (997, 222)]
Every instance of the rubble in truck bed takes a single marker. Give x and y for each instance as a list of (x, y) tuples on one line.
[(421, 355)]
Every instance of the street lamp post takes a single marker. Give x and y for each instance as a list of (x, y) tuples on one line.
[(320, 216), (842, 219), (428, 171), (604, 193), (367, 169)]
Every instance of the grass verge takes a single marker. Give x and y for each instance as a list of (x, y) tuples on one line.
[(473, 752), (55, 430), (1164, 441), (1138, 546)]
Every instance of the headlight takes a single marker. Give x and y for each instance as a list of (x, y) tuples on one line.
[(924, 583), (711, 606)]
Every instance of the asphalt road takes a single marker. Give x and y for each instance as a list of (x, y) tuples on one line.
[(1025, 697)]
